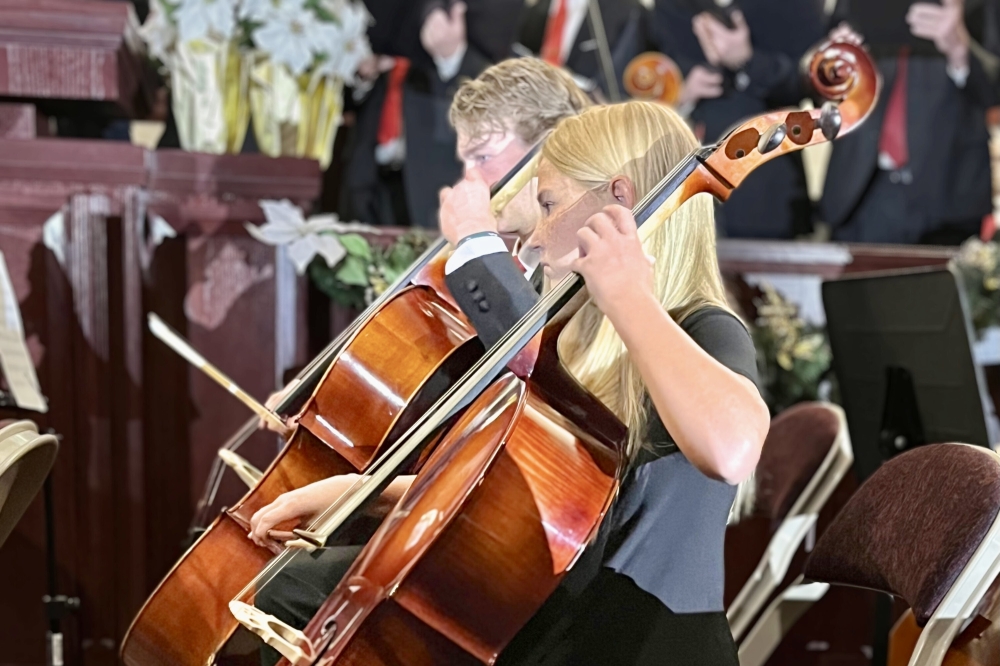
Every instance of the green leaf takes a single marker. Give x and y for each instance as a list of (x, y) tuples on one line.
[(353, 270), (356, 246)]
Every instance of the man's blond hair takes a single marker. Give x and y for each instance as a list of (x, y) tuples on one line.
[(526, 95)]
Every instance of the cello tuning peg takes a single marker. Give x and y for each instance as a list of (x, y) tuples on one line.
[(830, 120), (772, 138)]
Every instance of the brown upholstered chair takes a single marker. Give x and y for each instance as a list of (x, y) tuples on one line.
[(925, 527), (806, 455)]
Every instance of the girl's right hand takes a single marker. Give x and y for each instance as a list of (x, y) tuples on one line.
[(301, 505)]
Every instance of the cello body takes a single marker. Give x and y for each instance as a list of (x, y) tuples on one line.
[(404, 356), (978, 645), (512, 495)]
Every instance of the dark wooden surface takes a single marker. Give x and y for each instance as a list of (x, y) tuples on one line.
[(140, 429), (74, 56)]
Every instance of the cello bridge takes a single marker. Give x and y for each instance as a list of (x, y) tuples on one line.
[(291, 643)]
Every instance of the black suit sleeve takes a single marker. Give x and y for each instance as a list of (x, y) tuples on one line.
[(493, 293)]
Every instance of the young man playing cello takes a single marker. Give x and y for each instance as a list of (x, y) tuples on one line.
[(498, 116)]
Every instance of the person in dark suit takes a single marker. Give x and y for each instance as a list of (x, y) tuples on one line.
[(918, 170), (732, 74), (437, 44), (564, 33)]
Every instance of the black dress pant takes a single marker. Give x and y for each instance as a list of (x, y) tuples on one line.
[(297, 591)]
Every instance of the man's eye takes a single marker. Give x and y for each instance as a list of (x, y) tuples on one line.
[(482, 159)]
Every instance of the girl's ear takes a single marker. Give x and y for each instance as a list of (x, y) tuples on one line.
[(623, 190)]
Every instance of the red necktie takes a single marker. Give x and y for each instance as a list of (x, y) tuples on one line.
[(552, 46), (892, 142), (390, 125)]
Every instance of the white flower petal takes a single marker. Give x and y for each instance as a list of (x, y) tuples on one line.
[(278, 39), (282, 212), (328, 247), (271, 234), (301, 253)]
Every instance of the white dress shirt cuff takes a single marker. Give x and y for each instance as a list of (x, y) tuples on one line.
[(448, 67), (473, 249), (959, 76)]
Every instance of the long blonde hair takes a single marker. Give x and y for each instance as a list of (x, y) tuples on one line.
[(643, 141)]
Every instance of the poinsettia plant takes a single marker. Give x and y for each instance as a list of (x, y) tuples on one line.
[(979, 264), (288, 60), (793, 356), (315, 36), (338, 257)]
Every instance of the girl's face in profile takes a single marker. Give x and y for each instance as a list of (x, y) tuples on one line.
[(566, 205)]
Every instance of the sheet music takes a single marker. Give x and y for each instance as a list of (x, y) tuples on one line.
[(18, 368)]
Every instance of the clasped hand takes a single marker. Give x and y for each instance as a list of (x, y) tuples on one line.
[(612, 261), (944, 25), (443, 33), (723, 47)]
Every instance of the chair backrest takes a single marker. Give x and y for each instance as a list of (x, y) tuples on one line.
[(799, 441), (805, 457), (913, 526)]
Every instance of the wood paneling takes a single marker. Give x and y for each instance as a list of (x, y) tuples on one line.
[(140, 429)]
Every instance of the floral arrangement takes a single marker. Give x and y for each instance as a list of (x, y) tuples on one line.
[(979, 264), (286, 60), (793, 357), (340, 261)]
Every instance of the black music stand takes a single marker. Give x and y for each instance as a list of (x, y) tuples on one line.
[(902, 353)]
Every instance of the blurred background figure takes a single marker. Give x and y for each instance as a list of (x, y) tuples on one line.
[(739, 62), (918, 171), (402, 149), (570, 34)]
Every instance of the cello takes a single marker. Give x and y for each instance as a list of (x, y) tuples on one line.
[(977, 645), (516, 489), (388, 366), (655, 77)]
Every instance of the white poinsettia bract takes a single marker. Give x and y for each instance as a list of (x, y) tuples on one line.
[(293, 35), (159, 33), (203, 19), (349, 45)]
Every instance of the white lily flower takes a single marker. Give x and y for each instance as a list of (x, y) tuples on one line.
[(159, 33), (198, 19), (286, 226)]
